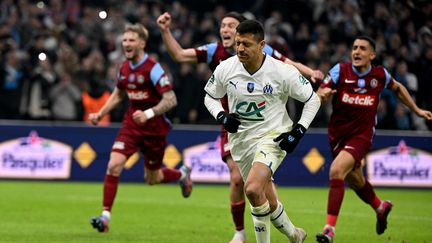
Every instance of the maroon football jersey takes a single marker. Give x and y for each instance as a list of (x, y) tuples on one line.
[(144, 84), (356, 101)]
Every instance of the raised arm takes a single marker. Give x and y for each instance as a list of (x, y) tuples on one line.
[(404, 96), (313, 75), (177, 53), (116, 97)]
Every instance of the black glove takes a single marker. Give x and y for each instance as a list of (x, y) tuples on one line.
[(229, 121), (289, 140)]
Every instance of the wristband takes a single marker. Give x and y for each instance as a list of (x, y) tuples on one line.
[(149, 113)]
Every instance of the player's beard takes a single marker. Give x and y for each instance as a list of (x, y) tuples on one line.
[(132, 55)]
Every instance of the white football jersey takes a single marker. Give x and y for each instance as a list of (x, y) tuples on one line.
[(259, 98)]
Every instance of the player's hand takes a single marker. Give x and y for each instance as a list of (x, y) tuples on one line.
[(139, 117), (164, 21), (317, 76), (289, 140), (94, 118), (229, 121), (325, 93), (425, 114)]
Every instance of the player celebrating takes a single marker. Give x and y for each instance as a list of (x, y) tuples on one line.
[(144, 125), (258, 87), (213, 54), (357, 86)]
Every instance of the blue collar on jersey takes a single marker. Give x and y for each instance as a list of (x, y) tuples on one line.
[(361, 74), (132, 66)]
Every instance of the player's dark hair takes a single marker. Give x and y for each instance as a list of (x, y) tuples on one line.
[(240, 18), (251, 27), (368, 39)]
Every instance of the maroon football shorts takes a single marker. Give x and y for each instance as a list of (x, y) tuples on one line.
[(152, 147), (357, 147)]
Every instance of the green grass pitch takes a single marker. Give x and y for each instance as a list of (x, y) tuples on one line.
[(33, 211)]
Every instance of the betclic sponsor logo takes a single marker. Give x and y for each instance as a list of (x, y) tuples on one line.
[(35, 157), (358, 99)]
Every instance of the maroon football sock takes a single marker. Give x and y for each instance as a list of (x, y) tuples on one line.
[(335, 198), (237, 211), (109, 191), (170, 175), (367, 194)]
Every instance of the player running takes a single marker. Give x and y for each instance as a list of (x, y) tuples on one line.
[(144, 125), (357, 86), (260, 131), (213, 54)]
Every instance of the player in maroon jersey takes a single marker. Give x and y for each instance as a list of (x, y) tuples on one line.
[(356, 87), (213, 54), (144, 125)]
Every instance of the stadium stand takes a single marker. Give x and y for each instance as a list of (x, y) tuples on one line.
[(46, 45)]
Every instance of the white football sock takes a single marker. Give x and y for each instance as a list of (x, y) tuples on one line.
[(379, 209), (106, 214), (280, 221), (183, 171), (239, 235), (261, 221)]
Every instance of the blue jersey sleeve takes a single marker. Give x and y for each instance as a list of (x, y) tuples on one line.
[(333, 74), (156, 73), (388, 77)]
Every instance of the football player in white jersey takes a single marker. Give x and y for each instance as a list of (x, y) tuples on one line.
[(260, 131)]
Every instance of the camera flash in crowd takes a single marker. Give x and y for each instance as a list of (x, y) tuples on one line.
[(42, 56), (40, 4), (103, 14)]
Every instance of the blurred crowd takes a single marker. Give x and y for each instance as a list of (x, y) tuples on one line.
[(59, 58)]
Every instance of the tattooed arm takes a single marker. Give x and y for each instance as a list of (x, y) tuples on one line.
[(168, 101)]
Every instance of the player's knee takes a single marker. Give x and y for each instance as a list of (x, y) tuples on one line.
[(237, 180), (336, 173), (114, 169), (252, 191)]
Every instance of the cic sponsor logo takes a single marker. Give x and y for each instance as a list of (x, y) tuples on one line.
[(35, 157), (400, 166)]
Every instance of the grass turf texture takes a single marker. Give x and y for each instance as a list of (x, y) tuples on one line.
[(33, 211)]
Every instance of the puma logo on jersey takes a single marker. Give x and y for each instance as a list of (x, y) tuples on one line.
[(233, 84)]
